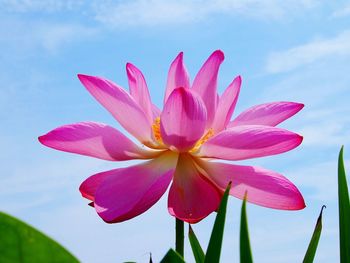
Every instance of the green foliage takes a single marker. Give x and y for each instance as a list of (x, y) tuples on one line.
[(215, 242), (196, 247), (344, 211), (172, 257), (311, 250), (22, 243), (244, 244)]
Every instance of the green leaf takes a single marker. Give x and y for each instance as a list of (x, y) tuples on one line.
[(244, 245), (172, 257), (22, 243), (344, 211), (196, 247), (215, 242), (311, 250)]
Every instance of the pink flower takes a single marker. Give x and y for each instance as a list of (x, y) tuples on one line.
[(180, 143)]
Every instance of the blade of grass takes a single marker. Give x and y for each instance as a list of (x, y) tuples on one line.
[(215, 242), (244, 244), (172, 257), (311, 250), (196, 247), (344, 211)]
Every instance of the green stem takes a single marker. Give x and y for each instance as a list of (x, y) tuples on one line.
[(179, 242)]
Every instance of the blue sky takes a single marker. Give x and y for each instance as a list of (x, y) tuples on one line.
[(285, 50)]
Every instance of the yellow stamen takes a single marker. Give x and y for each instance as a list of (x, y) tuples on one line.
[(202, 140), (156, 130)]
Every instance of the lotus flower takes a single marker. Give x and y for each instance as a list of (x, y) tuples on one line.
[(179, 144)]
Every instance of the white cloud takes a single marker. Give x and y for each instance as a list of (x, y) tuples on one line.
[(341, 12), (158, 13), (283, 61), (27, 36), (49, 6)]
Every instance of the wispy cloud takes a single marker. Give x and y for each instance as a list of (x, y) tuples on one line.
[(28, 36), (341, 12), (50, 6), (283, 61), (158, 13)]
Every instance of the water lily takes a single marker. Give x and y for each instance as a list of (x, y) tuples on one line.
[(180, 143)]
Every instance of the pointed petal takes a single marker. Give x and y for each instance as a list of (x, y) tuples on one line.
[(95, 140), (205, 83), (264, 187), (121, 105), (226, 106), (192, 196), (177, 76), (128, 192), (250, 141), (183, 119), (139, 90), (269, 114)]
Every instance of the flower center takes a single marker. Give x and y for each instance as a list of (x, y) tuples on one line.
[(158, 137), (156, 131), (202, 140)]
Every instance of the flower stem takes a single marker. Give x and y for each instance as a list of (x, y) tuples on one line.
[(179, 242)]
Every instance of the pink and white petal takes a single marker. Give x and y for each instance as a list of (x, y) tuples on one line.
[(183, 119), (139, 90), (269, 114), (155, 112), (95, 140), (205, 83), (226, 106), (128, 192), (192, 196), (263, 187), (177, 76), (89, 186), (121, 105), (249, 141)]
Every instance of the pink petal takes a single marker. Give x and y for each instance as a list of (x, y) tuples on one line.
[(121, 105), (139, 90), (183, 119), (264, 187), (155, 111), (177, 76), (127, 192), (269, 114), (226, 105), (205, 83), (192, 196), (89, 186), (250, 141), (95, 140)]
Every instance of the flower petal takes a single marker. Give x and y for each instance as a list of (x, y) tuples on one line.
[(155, 112), (89, 186), (128, 192), (95, 140), (226, 106), (250, 141), (205, 83), (192, 196), (264, 187), (139, 90), (177, 76), (269, 114), (183, 119), (121, 105)]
